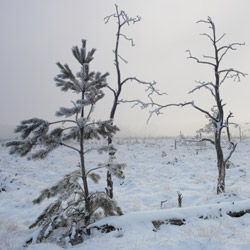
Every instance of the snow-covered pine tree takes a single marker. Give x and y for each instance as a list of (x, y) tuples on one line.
[(74, 206)]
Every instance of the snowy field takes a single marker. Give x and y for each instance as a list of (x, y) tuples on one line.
[(155, 172)]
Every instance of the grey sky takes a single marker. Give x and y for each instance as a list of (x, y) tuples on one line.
[(37, 34)]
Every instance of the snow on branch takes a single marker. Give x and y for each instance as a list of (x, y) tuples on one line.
[(150, 86), (122, 17)]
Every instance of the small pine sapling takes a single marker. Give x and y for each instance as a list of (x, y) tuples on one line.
[(74, 207)]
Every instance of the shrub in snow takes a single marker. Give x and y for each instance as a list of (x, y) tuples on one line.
[(74, 206)]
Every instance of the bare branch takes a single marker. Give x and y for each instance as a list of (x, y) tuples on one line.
[(88, 150), (207, 35), (236, 74), (226, 125), (150, 85), (67, 128), (203, 85), (127, 19), (122, 15), (62, 121), (67, 146), (230, 46), (224, 78), (129, 39), (160, 107), (203, 111), (157, 111), (231, 152), (137, 102), (197, 60), (114, 92), (90, 111), (227, 48), (201, 140), (205, 21), (220, 38), (209, 57), (93, 170), (107, 18), (120, 58)]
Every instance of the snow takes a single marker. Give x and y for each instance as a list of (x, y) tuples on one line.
[(155, 172)]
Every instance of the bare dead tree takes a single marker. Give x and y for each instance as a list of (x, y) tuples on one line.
[(122, 19), (216, 117)]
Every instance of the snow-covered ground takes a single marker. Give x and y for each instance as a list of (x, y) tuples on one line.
[(155, 172)]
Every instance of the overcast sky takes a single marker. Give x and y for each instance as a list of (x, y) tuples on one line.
[(36, 34)]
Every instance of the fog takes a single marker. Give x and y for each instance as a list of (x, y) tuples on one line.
[(37, 34)]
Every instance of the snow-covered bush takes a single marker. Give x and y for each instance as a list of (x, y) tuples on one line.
[(74, 206)]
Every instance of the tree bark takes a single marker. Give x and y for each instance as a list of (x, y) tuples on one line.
[(221, 169), (83, 172)]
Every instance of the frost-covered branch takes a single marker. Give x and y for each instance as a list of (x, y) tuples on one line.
[(122, 17)]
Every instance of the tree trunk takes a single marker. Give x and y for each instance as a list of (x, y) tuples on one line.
[(220, 165), (83, 172), (109, 188)]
